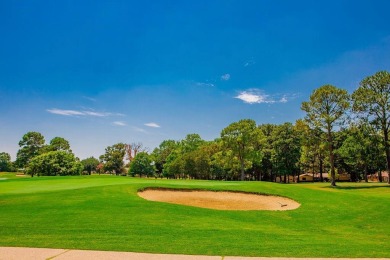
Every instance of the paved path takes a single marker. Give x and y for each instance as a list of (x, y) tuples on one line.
[(23, 253)]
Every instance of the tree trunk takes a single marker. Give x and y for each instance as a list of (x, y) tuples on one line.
[(332, 170), (331, 157), (242, 170), (313, 170), (387, 150), (365, 173), (321, 177)]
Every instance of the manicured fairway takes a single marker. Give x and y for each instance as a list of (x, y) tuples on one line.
[(105, 213)]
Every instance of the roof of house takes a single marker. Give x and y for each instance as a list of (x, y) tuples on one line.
[(306, 174)]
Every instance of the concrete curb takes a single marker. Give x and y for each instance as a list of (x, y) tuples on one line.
[(24, 253)]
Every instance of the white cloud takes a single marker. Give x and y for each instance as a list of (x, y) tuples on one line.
[(119, 123), (151, 124), (65, 112), (91, 113), (283, 99), (256, 96), (203, 84), (225, 77)]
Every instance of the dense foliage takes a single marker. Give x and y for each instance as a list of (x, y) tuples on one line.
[(6, 164), (37, 158), (113, 159), (325, 110), (142, 165), (90, 164), (30, 146), (54, 163), (372, 101)]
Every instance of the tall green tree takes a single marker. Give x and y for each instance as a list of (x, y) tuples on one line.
[(326, 109), (241, 138), (313, 148), (191, 142), (161, 153), (59, 144), (361, 150), (178, 156), (5, 162), (30, 146), (173, 168), (90, 164), (142, 165), (56, 144), (113, 159), (372, 101), (287, 150), (204, 160), (266, 164)]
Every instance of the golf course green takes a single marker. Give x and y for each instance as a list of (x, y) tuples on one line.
[(105, 213)]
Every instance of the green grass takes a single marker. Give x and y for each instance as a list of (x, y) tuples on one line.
[(105, 213)]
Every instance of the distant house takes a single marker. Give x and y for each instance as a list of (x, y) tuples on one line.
[(306, 177), (375, 177), (310, 177)]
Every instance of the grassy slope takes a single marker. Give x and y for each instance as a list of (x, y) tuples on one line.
[(101, 212)]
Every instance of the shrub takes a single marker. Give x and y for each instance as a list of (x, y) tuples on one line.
[(54, 163)]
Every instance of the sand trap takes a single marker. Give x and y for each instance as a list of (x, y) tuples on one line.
[(221, 200)]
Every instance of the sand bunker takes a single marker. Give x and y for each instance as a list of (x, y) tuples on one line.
[(221, 200)]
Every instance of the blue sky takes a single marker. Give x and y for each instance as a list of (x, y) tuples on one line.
[(102, 72)]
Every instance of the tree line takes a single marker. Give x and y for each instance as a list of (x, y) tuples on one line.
[(340, 133)]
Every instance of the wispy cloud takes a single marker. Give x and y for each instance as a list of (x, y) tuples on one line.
[(119, 123), (138, 129), (65, 112), (205, 84), (151, 124), (283, 99), (250, 62), (256, 96), (99, 114), (225, 77)]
